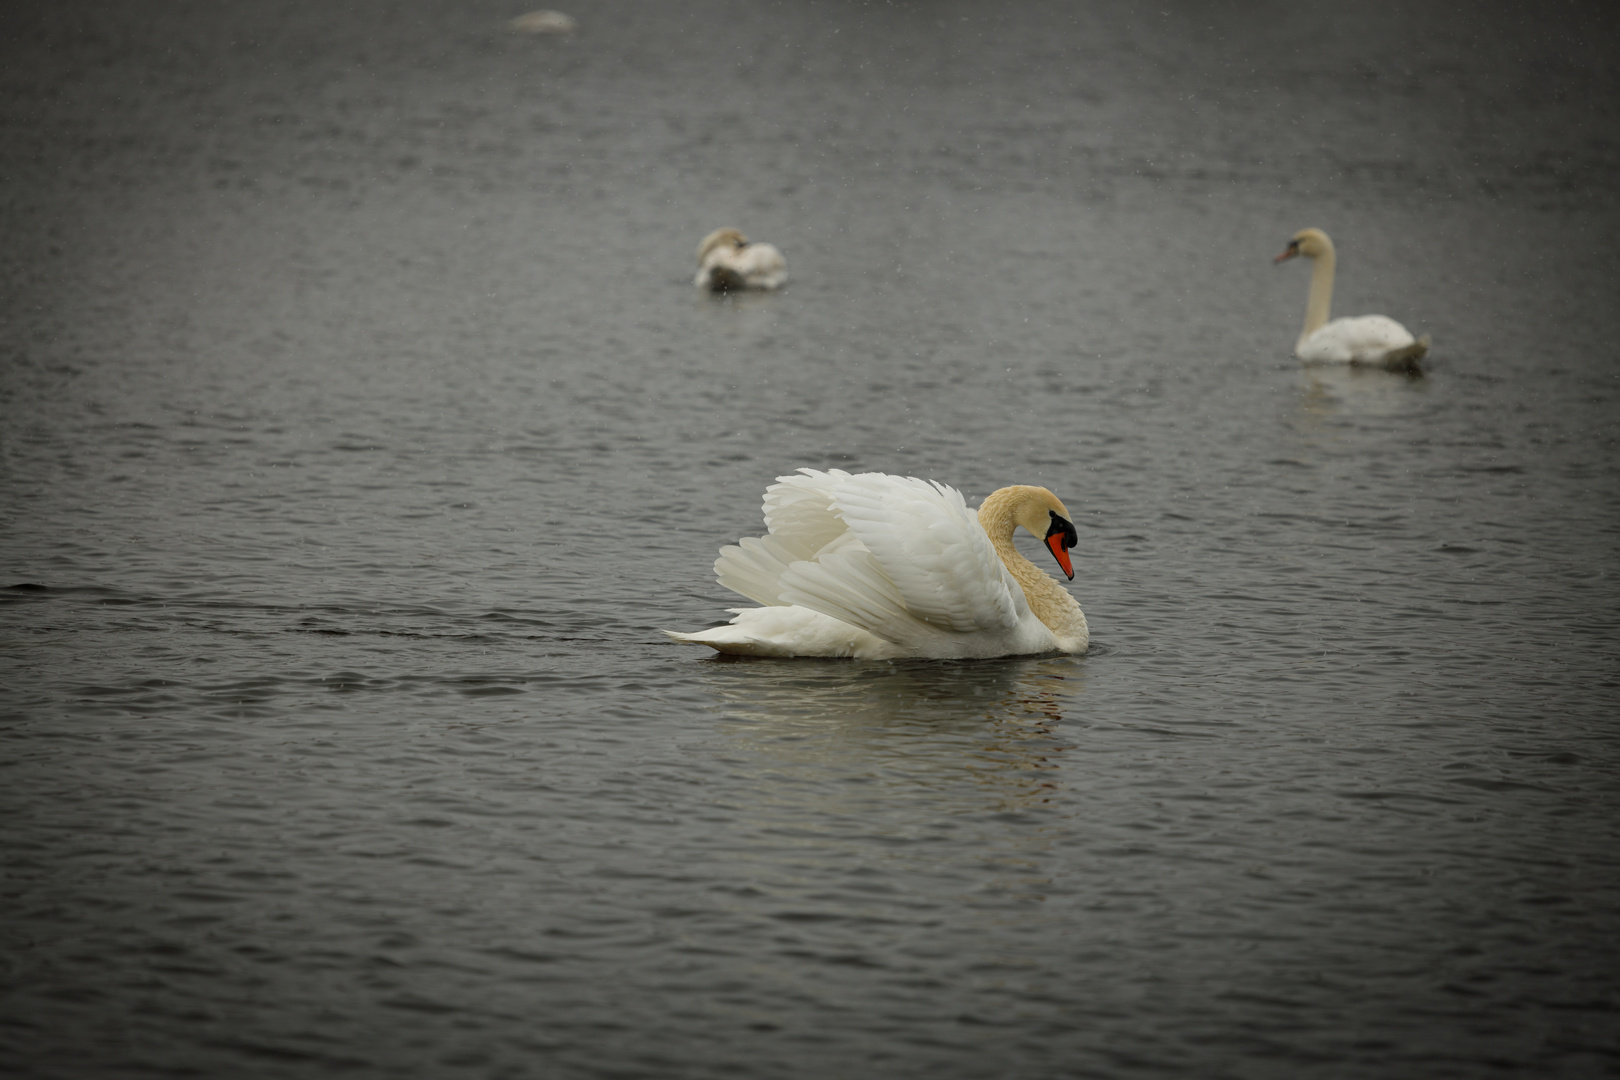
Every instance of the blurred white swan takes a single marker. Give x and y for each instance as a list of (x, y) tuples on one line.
[(1363, 339), (728, 260), (880, 567), (544, 22)]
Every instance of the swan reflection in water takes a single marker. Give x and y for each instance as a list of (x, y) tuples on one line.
[(746, 306), (975, 736), (941, 778), (1332, 391)]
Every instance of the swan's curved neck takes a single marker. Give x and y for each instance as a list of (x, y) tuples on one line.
[(1320, 303), (1049, 601)]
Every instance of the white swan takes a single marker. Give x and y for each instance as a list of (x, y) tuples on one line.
[(880, 567), (1363, 339), (727, 260), (544, 22)]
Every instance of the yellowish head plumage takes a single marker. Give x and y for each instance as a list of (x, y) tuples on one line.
[(1035, 509), (727, 237)]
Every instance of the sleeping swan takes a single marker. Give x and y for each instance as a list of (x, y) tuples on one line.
[(880, 567), (1364, 339), (726, 260)]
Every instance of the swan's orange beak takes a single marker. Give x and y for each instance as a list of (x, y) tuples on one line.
[(1054, 544), (1292, 250), (1059, 539)]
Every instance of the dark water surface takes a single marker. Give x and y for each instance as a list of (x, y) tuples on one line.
[(359, 430)]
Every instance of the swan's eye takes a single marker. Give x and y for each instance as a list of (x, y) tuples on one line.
[(1062, 527)]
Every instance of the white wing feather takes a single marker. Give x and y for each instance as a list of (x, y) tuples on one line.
[(761, 265), (798, 513), (799, 509), (753, 567), (931, 546)]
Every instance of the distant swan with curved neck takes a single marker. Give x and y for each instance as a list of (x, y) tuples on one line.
[(729, 260), (880, 567), (1376, 340)]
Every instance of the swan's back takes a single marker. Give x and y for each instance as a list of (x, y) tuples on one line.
[(760, 266), (1360, 339)]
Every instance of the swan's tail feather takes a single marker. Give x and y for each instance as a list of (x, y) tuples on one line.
[(720, 638), (726, 639), (684, 639), (1407, 357), (789, 631)]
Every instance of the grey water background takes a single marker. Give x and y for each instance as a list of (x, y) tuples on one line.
[(359, 430)]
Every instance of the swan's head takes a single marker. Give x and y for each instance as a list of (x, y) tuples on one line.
[(1307, 242), (731, 238), (1035, 509)]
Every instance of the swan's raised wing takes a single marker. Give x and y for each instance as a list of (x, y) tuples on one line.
[(933, 549), (916, 564), (801, 522), (799, 510)]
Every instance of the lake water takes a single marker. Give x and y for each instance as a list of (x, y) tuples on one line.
[(360, 430)]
